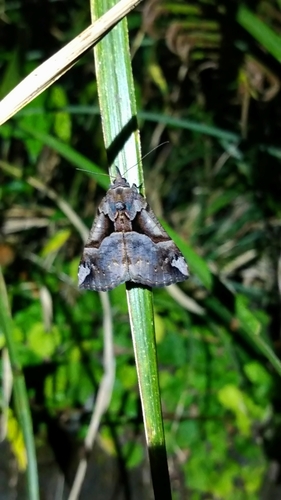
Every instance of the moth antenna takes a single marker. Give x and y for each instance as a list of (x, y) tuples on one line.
[(106, 175), (143, 157), (156, 147), (90, 172)]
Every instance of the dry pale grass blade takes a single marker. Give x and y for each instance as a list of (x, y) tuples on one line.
[(7, 386), (52, 69), (46, 307), (183, 300), (42, 222)]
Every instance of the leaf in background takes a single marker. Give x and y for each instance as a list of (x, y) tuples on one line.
[(245, 410), (62, 124), (197, 265), (15, 438), (69, 153), (233, 399), (270, 40), (56, 242), (11, 75), (39, 122), (42, 343)]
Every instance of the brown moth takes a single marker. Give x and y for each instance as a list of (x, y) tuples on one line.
[(128, 243)]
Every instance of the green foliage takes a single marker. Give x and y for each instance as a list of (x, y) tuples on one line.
[(216, 185)]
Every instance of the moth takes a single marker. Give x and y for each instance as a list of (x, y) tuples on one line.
[(128, 243)]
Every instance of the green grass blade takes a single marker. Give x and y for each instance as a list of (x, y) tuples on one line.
[(260, 31), (198, 266), (194, 126), (76, 159), (121, 136), (20, 394), (249, 326)]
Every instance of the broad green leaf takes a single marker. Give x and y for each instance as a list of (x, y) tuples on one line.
[(43, 343)]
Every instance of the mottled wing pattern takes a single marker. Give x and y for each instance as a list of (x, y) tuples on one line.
[(105, 267), (154, 264), (133, 257), (143, 254)]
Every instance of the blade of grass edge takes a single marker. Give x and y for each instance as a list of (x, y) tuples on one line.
[(270, 40), (20, 394), (118, 112), (52, 69), (67, 152), (249, 326), (249, 323)]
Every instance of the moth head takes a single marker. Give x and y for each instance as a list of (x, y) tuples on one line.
[(119, 181)]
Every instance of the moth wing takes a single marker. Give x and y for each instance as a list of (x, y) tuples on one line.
[(154, 264), (147, 223), (104, 268), (102, 227)]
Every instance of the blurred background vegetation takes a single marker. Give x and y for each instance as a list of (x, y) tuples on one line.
[(207, 77)]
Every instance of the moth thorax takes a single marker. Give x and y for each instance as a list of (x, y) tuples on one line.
[(122, 223), (119, 205)]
